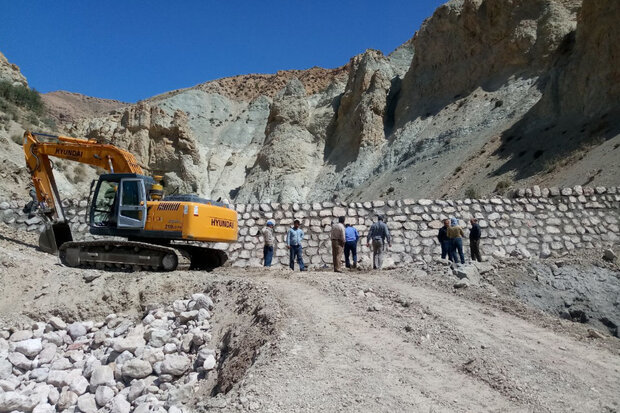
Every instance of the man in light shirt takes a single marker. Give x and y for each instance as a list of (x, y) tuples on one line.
[(338, 237), (268, 239), (293, 242)]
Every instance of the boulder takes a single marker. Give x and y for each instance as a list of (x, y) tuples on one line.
[(175, 365), (136, 369), (6, 369), (130, 343), (102, 376), (13, 401), (120, 404), (21, 335), (20, 361), (57, 323), (103, 395), (76, 330), (30, 347), (87, 404)]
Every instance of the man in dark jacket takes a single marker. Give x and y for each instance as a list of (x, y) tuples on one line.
[(379, 234), (474, 240), (444, 241)]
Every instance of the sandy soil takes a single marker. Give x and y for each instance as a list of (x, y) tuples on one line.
[(399, 340)]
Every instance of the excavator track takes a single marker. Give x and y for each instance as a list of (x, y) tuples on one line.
[(139, 256)]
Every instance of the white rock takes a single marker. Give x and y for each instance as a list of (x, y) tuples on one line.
[(21, 335), (9, 384), (120, 405), (102, 376), (57, 378), (20, 361), (40, 374), (4, 348), (54, 337), (179, 306), (30, 347), (209, 362), (158, 338), (202, 301), (53, 395), (61, 364), (153, 355), (44, 408), (203, 315), (137, 388), (130, 343), (47, 354), (57, 323), (76, 330), (78, 384), (136, 369), (103, 395), (67, 399), (86, 403), (175, 365), (13, 401), (148, 319), (170, 348), (6, 369)]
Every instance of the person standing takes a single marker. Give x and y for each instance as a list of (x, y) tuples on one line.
[(293, 242), (268, 239), (444, 241), (378, 235), (455, 233), (474, 240), (338, 238), (351, 237)]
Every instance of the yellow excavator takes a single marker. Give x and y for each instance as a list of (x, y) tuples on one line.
[(160, 233)]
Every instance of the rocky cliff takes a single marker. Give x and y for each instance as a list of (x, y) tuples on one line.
[(486, 95)]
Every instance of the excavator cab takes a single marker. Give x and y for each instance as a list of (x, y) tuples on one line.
[(119, 202)]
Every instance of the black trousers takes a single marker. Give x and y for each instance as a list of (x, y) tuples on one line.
[(474, 247)]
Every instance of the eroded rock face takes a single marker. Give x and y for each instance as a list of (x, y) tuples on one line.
[(291, 155), (472, 43), (361, 113), (162, 143), (590, 83)]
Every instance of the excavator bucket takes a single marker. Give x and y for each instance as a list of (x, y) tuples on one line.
[(54, 236)]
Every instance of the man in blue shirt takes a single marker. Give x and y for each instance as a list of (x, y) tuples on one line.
[(350, 245), (293, 242)]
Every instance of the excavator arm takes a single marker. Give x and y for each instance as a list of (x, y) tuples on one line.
[(86, 151)]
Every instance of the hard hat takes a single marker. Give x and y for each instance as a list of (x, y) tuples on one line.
[(270, 222)]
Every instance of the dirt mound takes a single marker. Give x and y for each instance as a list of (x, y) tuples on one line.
[(68, 106), (249, 87)]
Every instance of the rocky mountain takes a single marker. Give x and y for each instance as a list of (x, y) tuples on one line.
[(485, 96)]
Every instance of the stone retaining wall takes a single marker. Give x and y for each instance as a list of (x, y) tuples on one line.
[(531, 222)]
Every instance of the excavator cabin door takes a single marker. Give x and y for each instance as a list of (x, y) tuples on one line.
[(132, 206)]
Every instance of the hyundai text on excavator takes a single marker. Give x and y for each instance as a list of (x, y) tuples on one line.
[(160, 232)]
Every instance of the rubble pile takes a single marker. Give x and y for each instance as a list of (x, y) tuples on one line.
[(115, 365)]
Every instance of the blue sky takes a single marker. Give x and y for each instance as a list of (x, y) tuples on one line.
[(130, 50)]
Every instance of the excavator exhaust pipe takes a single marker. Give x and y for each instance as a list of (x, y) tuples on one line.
[(54, 236)]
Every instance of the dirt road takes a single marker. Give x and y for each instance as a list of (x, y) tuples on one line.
[(400, 340), (423, 350)]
